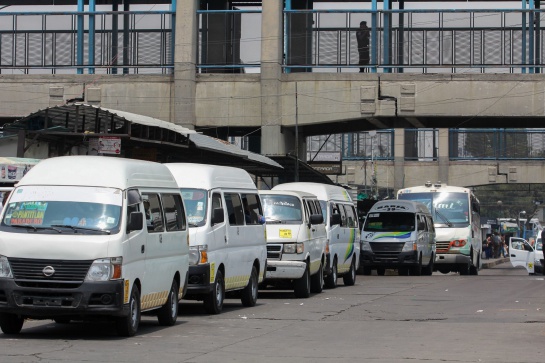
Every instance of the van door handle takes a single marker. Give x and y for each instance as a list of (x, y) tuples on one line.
[(142, 249), (225, 237), (160, 238)]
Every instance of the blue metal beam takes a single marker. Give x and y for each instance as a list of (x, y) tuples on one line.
[(173, 37), (92, 10), (374, 50), (80, 40)]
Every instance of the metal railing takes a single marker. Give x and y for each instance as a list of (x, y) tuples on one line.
[(124, 42)]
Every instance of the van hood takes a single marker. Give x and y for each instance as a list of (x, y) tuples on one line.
[(283, 233), (386, 236), (55, 246)]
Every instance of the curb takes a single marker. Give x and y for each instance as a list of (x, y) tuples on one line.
[(492, 263)]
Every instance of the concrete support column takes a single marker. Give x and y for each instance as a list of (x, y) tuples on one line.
[(399, 159), (443, 156), (185, 55), (272, 139)]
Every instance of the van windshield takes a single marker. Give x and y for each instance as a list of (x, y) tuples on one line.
[(390, 222), (55, 209), (195, 203), (282, 209)]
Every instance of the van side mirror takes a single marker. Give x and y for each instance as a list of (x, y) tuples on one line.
[(421, 226), (217, 216), (316, 219), (335, 219), (136, 222)]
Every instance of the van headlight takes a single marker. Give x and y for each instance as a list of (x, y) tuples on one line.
[(366, 246), (198, 254), (293, 248), (409, 246), (5, 268), (105, 269)]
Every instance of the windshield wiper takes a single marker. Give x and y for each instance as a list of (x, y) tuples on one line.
[(36, 228), (445, 219), (75, 228), (269, 219), (192, 224)]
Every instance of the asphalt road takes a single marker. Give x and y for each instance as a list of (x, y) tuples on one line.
[(498, 316)]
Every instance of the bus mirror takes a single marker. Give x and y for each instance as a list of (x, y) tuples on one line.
[(335, 219), (136, 221), (217, 216), (421, 226), (316, 219)]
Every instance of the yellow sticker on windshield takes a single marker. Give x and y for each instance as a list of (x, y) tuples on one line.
[(285, 233)]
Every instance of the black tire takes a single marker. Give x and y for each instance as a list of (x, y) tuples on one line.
[(213, 302), (349, 278), (416, 270), (331, 279), (301, 286), (317, 280), (366, 270), (128, 325), (444, 271), (428, 270), (168, 313), (464, 268), (11, 323), (381, 271), (62, 320), (474, 269), (249, 293), (403, 271)]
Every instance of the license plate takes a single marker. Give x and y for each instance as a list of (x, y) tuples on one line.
[(285, 233)]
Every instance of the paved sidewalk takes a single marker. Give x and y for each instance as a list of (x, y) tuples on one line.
[(494, 261)]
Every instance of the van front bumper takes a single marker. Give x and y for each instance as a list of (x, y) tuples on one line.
[(370, 259), (198, 281), (285, 270), (89, 299)]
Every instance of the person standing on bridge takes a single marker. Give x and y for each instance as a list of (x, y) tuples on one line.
[(362, 36)]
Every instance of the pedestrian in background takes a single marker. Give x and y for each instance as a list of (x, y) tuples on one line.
[(362, 36)]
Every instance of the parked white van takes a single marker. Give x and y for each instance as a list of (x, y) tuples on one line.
[(398, 234), (341, 226), (228, 250), (521, 253), (296, 240), (74, 243)]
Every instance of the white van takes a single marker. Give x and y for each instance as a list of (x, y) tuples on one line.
[(521, 253), (228, 250), (74, 245), (341, 226), (296, 240), (398, 234)]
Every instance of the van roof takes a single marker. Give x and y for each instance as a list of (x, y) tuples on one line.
[(204, 176), (99, 171), (322, 191), (287, 192), (396, 205)]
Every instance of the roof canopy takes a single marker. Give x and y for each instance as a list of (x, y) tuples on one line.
[(142, 137)]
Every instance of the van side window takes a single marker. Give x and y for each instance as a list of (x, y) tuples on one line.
[(318, 208), (234, 209), (174, 212), (343, 216), (216, 201), (252, 208), (311, 207), (431, 227), (133, 201), (351, 221), (154, 215)]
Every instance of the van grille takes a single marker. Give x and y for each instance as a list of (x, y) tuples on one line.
[(386, 251), (29, 272), (274, 252), (442, 247)]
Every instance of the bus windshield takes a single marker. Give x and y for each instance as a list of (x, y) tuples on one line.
[(449, 209)]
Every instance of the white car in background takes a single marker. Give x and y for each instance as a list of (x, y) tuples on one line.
[(521, 253), (539, 256)]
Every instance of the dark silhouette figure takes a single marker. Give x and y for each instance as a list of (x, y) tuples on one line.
[(362, 35)]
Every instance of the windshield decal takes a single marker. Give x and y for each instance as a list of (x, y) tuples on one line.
[(29, 213)]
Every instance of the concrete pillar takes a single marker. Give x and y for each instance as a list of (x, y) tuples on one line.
[(443, 155), (399, 159), (272, 139), (185, 51)]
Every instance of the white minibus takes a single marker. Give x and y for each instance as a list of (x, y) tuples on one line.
[(93, 237), (228, 250)]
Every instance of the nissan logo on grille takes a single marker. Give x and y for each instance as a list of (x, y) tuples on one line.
[(48, 271)]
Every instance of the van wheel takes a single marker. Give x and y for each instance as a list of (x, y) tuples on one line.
[(213, 302), (317, 280), (349, 278), (403, 271), (474, 269), (331, 279), (168, 313), (11, 323), (428, 270), (249, 294), (417, 270), (366, 270), (128, 325), (301, 286), (381, 271), (464, 268)]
